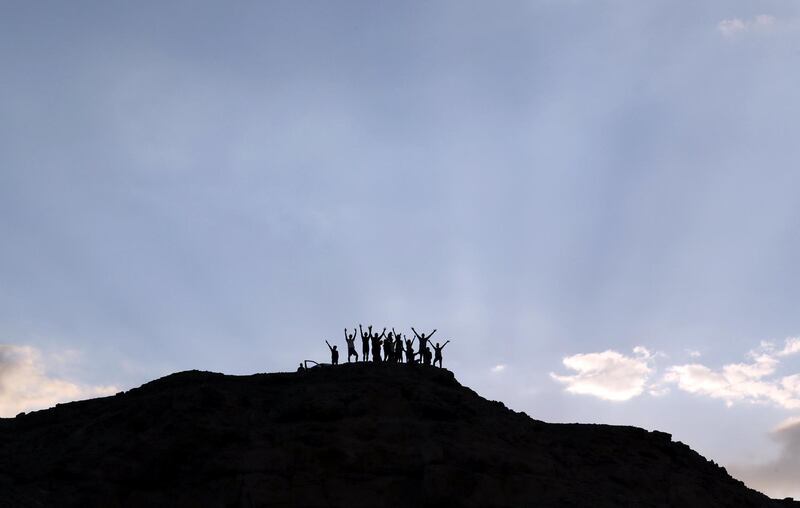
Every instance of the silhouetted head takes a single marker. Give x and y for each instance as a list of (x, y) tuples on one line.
[(334, 347), (437, 345)]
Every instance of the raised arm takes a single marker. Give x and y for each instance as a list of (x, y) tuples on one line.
[(345, 334), (383, 333), (446, 343), (415, 332), (360, 330), (431, 335), (329, 346)]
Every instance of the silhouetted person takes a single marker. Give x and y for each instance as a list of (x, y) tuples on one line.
[(301, 368), (426, 355), (351, 344), (334, 354), (398, 348), (437, 356), (365, 337), (376, 345), (410, 351), (423, 339), (388, 347)]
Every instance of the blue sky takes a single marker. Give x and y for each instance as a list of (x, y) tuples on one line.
[(551, 184)]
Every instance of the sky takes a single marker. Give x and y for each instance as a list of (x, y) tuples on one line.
[(595, 200)]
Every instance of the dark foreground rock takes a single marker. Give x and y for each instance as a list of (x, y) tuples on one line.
[(365, 435)]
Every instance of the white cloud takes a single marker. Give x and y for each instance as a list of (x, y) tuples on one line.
[(735, 26), (608, 375), (730, 27), (499, 368), (24, 384), (611, 375), (791, 346), (742, 382), (779, 476), (694, 353)]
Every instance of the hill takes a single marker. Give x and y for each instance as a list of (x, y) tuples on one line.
[(360, 435)]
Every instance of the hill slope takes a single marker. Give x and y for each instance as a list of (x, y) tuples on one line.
[(362, 435)]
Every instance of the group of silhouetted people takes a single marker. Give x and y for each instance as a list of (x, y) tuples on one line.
[(390, 347)]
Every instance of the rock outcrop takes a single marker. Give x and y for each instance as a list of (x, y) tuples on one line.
[(357, 435)]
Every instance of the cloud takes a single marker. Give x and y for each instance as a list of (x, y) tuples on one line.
[(608, 375), (792, 346), (735, 26), (499, 368), (743, 382), (24, 384), (779, 476)]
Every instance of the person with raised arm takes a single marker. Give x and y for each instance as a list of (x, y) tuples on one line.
[(365, 337), (388, 347), (398, 347), (423, 339), (437, 356), (351, 344), (334, 354), (410, 351), (376, 345)]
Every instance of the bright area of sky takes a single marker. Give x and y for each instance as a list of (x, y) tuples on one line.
[(597, 201)]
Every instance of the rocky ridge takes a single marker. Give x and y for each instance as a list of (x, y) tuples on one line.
[(357, 435)]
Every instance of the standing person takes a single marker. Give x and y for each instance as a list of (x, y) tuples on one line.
[(423, 339), (437, 356), (365, 337), (376, 345), (398, 348), (388, 347), (351, 344), (426, 355), (334, 354), (410, 351)]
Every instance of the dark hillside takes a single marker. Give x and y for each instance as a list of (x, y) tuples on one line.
[(361, 435)]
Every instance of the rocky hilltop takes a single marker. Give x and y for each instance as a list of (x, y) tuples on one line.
[(360, 435)]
